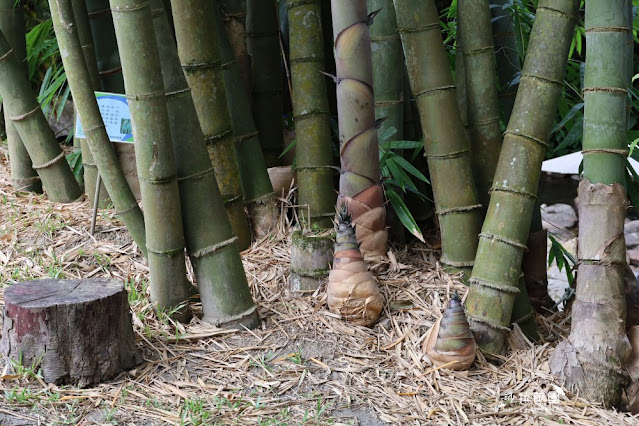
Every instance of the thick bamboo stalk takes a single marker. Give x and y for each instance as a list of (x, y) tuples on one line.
[(210, 243), (359, 184), (234, 18), (154, 154), (446, 147), (507, 56), (592, 360), (263, 46), (25, 113), (388, 68), (106, 47), (502, 241), (314, 156), (256, 184), (200, 57), (97, 139), (483, 105), (23, 175), (86, 40)]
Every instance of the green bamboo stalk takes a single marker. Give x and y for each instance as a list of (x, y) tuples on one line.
[(199, 53), (23, 175), (86, 40), (234, 18), (483, 105), (446, 147), (359, 186), (210, 243), (154, 154), (106, 47), (388, 68), (506, 55), (314, 156), (263, 46), (592, 360), (502, 242), (256, 184), (78, 75), (25, 113)]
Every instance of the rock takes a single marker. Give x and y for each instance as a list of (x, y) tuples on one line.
[(631, 233), (558, 218), (633, 256)]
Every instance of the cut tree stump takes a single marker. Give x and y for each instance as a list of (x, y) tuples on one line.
[(77, 331)]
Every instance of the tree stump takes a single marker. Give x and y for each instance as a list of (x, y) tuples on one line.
[(77, 331)]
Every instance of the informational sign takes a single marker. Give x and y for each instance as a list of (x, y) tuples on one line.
[(114, 108)]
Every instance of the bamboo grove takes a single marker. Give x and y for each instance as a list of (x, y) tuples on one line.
[(213, 87)]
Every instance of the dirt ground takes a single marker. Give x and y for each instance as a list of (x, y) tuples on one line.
[(302, 365)]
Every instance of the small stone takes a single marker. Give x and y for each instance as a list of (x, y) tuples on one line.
[(558, 218), (631, 233), (633, 255)]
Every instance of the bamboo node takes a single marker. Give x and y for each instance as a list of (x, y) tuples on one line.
[(294, 4), (178, 92), (167, 253), (456, 263), (6, 55), (527, 137), (419, 28), (448, 155), (242, 138), (128, 209), (499, 286), (213, 248), (157, 180), (26, 114), (195, 176), (526, 317), (486, 321), (213, 139), (512, 191), (462, 209), (622, 152), (607, 30), (504, 240), (51, 162), (613, 90), (435, 91), (145, 96), (558, 12), (200, 66), (542, 79), (94, 128)]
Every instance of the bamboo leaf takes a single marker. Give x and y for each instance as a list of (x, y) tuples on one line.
[(390, 131), (404, 214), (411, 169), (573, 111), (402, 145)]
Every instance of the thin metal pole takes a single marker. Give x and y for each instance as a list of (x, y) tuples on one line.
[(96, 200)]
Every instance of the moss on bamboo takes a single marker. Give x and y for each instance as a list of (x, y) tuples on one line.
[(23, 175), (199, 53), (314, 156), (505, 231), (154, 154), (447, 148)]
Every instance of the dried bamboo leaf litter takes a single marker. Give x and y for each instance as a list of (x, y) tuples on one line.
[(302, 365)]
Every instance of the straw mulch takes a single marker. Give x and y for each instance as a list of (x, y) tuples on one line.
[(302, 365)]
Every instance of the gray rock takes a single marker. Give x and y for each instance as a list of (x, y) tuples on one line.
[(558, 218), (631, 232)]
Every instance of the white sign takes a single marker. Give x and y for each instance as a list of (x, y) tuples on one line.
[(114, 108)]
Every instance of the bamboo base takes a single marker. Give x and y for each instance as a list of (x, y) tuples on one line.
[(311, 256)]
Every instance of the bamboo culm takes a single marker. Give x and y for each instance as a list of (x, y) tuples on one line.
[(210, 243)]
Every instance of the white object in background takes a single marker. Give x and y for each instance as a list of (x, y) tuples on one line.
[(569, 164)]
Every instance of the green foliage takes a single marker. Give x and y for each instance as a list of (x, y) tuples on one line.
[(44, 68), (75, 162), (564, 259), (398, 174)]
